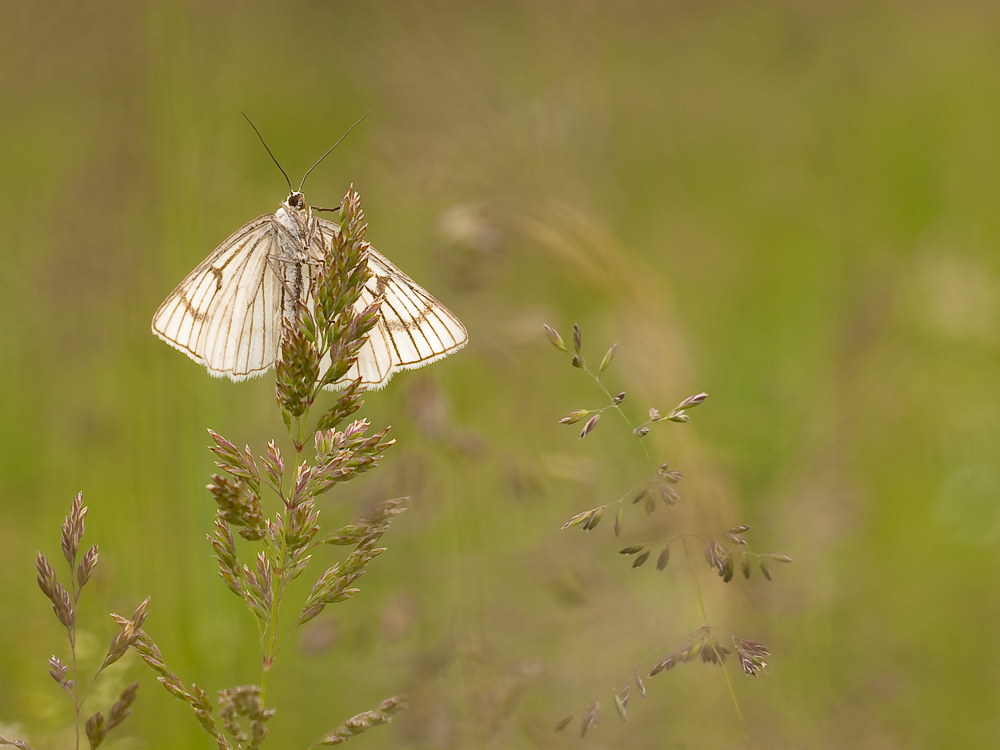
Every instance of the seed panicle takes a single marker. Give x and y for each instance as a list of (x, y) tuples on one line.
[(718, 552), (320, 344)]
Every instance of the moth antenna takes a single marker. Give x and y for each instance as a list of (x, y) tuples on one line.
[(269, 151), (331, 148)]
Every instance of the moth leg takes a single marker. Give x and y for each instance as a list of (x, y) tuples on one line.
[(316, 234), (288, 233), (278, 271)]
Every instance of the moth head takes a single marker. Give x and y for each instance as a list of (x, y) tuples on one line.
[(296, 200)]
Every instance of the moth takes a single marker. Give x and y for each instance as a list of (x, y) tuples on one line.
[(227, 314)]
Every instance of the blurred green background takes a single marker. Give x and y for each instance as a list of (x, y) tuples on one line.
[(791, 206)]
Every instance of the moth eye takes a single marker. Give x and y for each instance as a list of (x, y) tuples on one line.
[(297, 200)]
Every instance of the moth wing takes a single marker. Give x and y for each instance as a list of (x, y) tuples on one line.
[(223, 314), (413, 330)]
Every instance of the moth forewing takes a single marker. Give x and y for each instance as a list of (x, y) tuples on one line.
[(219, 314), (227, 313)]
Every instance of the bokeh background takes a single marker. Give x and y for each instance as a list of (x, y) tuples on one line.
[(789, 205)]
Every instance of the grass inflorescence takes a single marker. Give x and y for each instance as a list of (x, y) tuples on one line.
[(320, 344), (65, 603), (723, 551)]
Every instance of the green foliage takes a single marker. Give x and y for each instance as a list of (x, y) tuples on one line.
[(790, 206)]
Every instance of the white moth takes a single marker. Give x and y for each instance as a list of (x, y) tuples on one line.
[(227, 314)]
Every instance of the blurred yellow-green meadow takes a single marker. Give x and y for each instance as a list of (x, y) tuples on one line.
[(791, 206)]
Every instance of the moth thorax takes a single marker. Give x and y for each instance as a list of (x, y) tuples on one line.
[(296, 221)]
